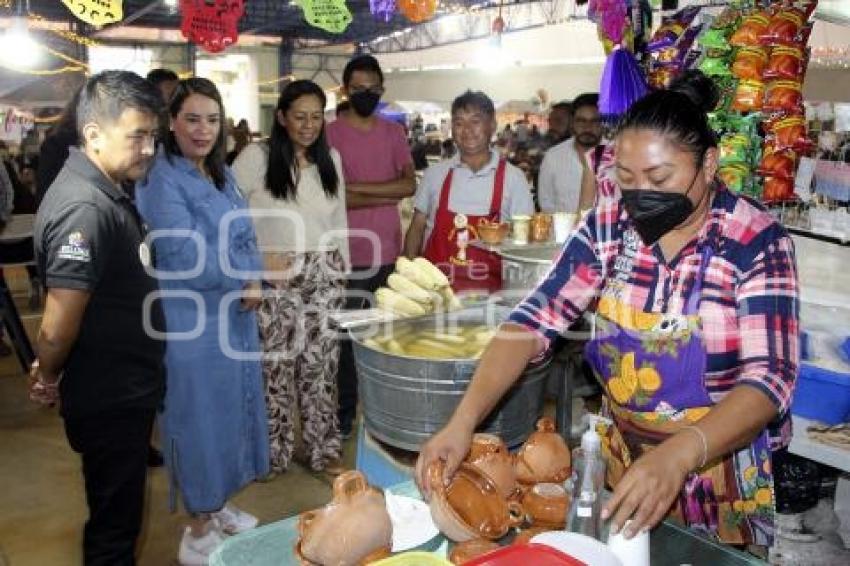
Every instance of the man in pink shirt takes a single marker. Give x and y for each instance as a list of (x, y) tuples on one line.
[(378, 171)]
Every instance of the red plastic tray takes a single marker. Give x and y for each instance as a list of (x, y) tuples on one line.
[(516, 554)]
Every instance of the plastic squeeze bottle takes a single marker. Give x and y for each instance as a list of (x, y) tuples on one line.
[(587, 486)]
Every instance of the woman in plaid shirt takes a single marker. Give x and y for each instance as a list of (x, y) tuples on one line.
[(696, 301)]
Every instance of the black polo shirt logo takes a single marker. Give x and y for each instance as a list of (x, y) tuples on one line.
[(77, 248)]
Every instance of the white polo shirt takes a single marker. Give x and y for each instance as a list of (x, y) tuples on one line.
[(559, 181), (472, 191)]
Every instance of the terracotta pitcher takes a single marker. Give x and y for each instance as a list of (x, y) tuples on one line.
[(471, 505), (353, 529), (489, 454), (546, 505), (544, 457)]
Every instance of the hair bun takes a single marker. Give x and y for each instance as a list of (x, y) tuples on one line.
[(699, 89)]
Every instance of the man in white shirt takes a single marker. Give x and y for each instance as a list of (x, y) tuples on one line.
[(457, 194), (559, 182)]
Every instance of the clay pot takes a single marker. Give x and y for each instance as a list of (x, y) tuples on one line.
[(466, 551), (471, 505), (544, 458), (353, 528), (493, 233), (490, 455), (546, 505), (525, 535)]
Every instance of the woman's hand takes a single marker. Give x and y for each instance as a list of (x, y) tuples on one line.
[(648, 489), (451, 445), (252, 296)]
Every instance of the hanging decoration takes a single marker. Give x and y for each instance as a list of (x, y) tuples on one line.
[(417, 10), (332, 16), (96, 12), (611, 21), (211, 24), (622, 84), (382, 10)]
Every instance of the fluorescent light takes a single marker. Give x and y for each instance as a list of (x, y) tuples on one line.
[(17, 47)]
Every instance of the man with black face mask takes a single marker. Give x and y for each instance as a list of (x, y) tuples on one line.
[(559, 184), (378, 171)]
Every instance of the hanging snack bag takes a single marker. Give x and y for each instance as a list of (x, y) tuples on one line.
[(750, 63), (777, 189), (786, 24), (752, 28), (734, 148), (675, 55), (790, 133), (778, 163), (783, 96), (749, 96), (785, 63), (734, 176), (672, 28)]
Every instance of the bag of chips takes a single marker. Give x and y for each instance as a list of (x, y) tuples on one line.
[(783, 96), (750, 63), (734, 148), (672, 28), (734, 176), (789, 133), (675, 55), (715, 39), (749, 96), (786, 23), (715, 67), (778, 163), (752, 28), (784, 63), (777, 189)]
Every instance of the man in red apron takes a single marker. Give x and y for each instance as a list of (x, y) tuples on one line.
[(457, 195)]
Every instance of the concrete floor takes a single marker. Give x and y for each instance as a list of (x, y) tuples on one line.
[(43, 508)]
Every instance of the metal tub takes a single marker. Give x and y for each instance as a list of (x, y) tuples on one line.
[(524, 267), (407, 399)]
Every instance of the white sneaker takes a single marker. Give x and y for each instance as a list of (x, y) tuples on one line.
[(195, 551), (233, 520)]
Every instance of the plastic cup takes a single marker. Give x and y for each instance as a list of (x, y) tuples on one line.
[(521, 229), (563, 223), (631, 552)]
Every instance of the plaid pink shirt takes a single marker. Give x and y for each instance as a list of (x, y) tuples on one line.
[(749, 306)]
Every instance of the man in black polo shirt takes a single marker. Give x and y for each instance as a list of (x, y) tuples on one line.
[(96, 354)]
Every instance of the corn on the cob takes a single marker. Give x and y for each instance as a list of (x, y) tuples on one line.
[(410, 270), (443, 337), (393, 347), (450, 301), (408, 288), (438, 277), (396, 302)]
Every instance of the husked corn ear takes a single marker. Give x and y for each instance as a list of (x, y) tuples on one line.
[(438, 277), (408, 288), (396, 302), (415, 274), (450, 301), (393, 347)]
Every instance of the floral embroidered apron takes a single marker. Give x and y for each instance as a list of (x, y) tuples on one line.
[(467, 267), (652, 366)]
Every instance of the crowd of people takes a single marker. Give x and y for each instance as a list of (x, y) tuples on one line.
[(190, 274)]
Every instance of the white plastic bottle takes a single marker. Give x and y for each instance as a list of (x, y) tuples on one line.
[(588, 485)]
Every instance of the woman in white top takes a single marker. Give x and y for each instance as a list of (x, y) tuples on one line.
[(296, 194)]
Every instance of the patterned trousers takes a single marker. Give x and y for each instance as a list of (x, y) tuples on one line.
[(300, 357)]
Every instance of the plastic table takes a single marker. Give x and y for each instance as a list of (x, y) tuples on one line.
[(272, 544)]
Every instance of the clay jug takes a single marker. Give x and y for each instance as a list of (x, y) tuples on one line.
[(352, 529), (490, 455), (544, 457)]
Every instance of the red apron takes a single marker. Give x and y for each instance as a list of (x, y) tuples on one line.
[(468, 268)]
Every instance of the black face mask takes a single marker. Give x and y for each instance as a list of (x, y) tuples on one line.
[(365, 102), (654, 213)]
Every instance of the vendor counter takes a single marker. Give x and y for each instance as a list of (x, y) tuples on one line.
[(271, 545)]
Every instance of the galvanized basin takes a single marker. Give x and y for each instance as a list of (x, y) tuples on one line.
[(407, 399), (524, 267)]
